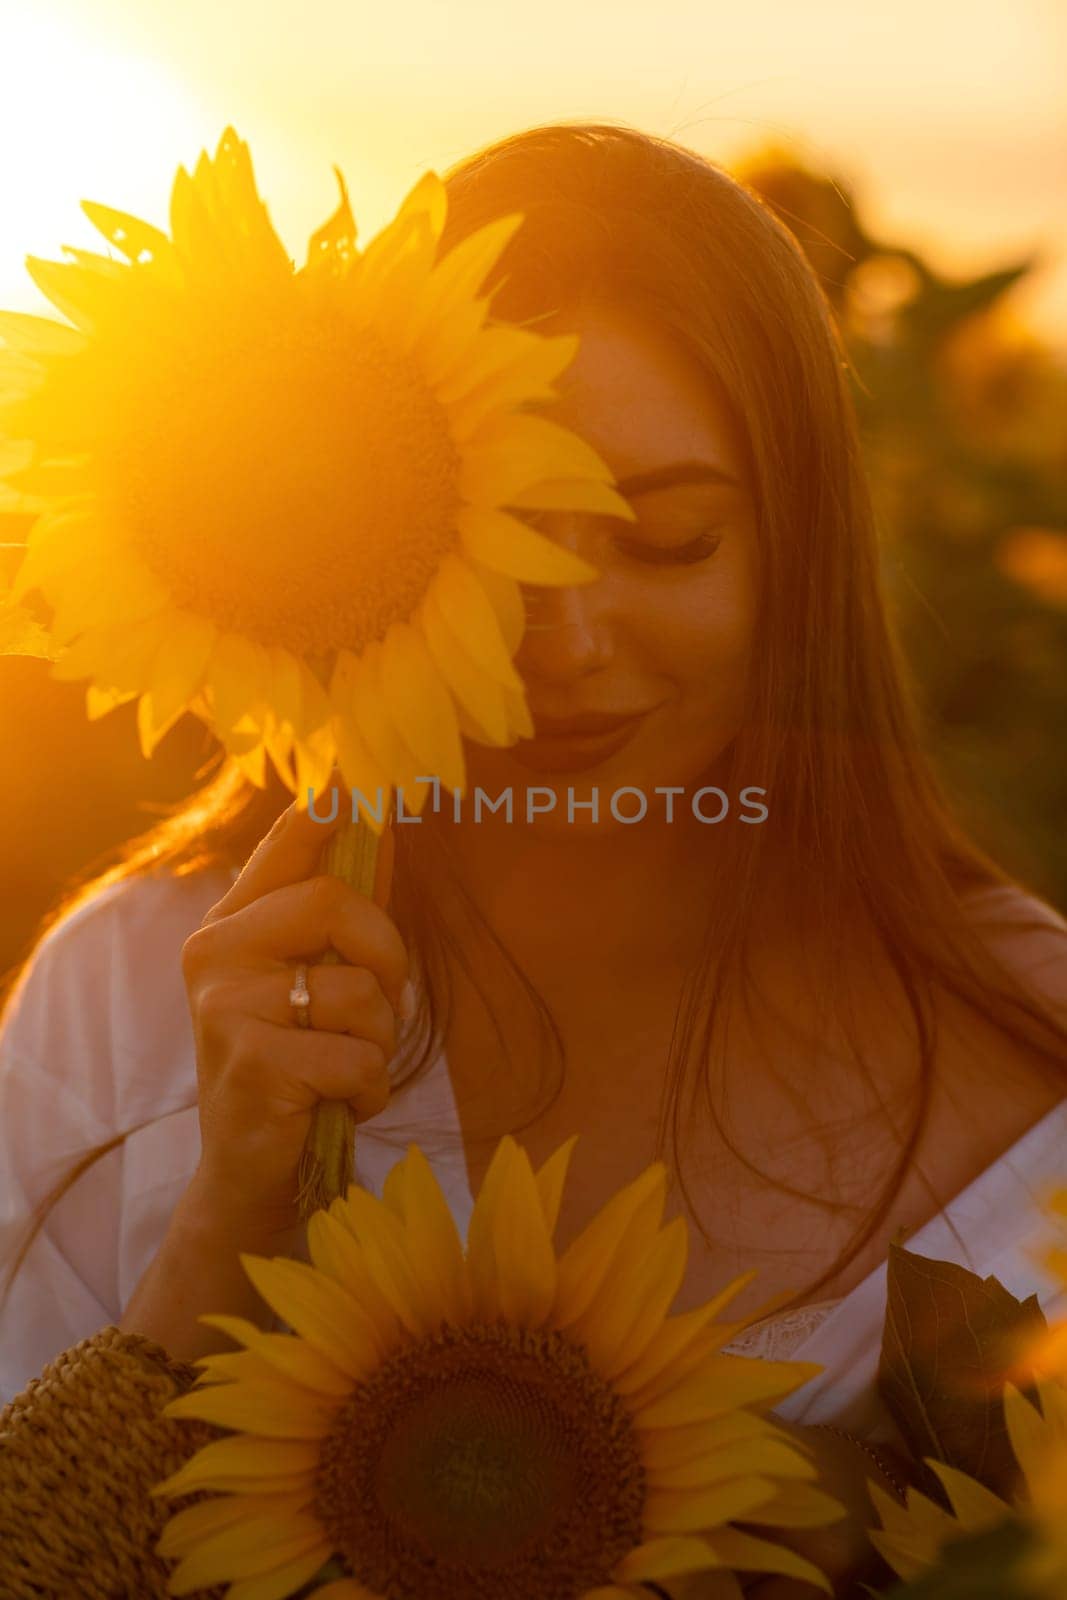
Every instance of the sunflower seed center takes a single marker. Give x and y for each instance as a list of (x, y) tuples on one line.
[(487, 1462), (286, 475)]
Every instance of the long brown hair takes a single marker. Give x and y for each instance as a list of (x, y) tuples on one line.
[(831, 729)]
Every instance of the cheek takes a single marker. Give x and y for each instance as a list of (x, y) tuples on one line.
[(701, 630)]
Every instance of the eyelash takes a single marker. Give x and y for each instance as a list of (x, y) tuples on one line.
[(694, 550)]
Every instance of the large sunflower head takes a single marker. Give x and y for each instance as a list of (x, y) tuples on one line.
[(914, 1537), (291, 501), (495, 1422)]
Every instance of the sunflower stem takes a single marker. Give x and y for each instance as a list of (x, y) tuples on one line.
[(325, 1170)]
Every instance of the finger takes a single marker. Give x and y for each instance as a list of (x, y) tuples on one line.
[(307, 1065), (343, 1000), (290, 851), (302, 920)]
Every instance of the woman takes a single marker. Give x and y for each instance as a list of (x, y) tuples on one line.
[(851, 1012)]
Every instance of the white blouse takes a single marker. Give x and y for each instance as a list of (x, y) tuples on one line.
[(98, 1040)]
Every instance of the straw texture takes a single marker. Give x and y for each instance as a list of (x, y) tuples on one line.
[(79, 1450)]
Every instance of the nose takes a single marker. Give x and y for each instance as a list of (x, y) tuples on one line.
[(568, 631), (568, 634)]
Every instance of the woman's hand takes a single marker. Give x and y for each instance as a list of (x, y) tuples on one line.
[(259, 1074)]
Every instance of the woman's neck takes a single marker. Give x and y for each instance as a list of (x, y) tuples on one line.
[(634, 899)]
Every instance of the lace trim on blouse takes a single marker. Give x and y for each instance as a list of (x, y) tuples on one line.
[(775, 1338)]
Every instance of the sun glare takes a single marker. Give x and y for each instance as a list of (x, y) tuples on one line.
[(79, 119)]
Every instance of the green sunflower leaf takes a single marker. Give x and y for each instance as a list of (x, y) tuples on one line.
[(950, 1340)]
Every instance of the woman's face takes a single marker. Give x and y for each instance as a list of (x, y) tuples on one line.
[(664, 634)]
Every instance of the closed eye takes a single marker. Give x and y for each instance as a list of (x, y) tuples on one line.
[(693, 550)]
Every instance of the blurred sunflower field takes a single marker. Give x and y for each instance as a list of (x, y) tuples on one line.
[(963, 413)]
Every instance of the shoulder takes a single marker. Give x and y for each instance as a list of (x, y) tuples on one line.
[(102, 996), (1026, 935), (141, 921)]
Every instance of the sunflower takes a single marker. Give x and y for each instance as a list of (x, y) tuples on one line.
[(290, 501), (495, 1422), (914, 1536)]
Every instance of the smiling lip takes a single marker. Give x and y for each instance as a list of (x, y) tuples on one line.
[(589, 722), (581, 742)]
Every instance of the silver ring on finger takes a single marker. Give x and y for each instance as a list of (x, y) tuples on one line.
[(300, 997)]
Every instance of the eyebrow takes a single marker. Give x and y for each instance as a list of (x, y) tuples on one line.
[(672, 473)]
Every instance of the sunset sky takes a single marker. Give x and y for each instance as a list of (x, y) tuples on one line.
[(948, 115)]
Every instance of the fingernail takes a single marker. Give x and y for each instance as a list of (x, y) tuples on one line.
[(406, 1008)]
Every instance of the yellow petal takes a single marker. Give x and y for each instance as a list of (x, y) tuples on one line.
[(679, 1346), (317, 1309), (367, 781), (550, 1181), (525, 369), (976, 1506), (383, 1241), (910, 1536), (261, 1552), (293, 1357), (315, 756), (53, 480), (238, 677), (137, 240), (458, 277), (466, 608), (256, 1466), (666, 1558), (745, 1553), (127, 601), (684, 1511), (89, 299), (282, 1582), (177, 677), (503, 349), (1027, 1430), (40, 335), (433, 1242), (662, 1449), (251, 762), (334, 1250), (505, 597), (511, 453), (187, 1528), (722, 1383), (767, 1457), (510, 1258), (574, 494), (799, 1505), (20, 376), (418, 223), (276, 1410), (509, 546), (98, 702), (44, 566), (1053, 1397), (474, 690), (634, 1301), (376, 726), (420, 705), (588, 1260)]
